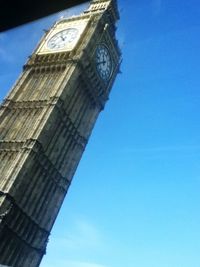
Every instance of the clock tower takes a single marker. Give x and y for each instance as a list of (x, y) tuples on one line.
[(45, 124)]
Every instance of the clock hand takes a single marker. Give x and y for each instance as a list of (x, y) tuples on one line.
[(101, 62)]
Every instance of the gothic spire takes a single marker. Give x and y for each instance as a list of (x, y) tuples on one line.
[(102, 5)]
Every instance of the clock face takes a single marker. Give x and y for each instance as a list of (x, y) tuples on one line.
[(62, 38), (103, 62)]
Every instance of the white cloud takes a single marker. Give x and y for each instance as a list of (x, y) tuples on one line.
[(2, 36), (84, 235), (168, 149), (158, 152), (156, 6), (76, 246), (64, 263), (81, 264), (5, 56)]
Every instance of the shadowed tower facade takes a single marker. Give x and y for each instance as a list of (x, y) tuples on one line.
[(45, 123)]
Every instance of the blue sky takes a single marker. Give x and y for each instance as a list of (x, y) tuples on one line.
[(134, 200)]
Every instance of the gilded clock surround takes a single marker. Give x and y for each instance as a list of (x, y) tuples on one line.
[(63, 26)]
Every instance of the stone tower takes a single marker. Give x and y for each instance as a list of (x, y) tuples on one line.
[(45, 123)]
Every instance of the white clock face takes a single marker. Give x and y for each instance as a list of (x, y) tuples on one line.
[(62, 38), (103, 62)]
